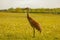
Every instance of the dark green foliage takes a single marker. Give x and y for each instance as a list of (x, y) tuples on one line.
[(40, 10)]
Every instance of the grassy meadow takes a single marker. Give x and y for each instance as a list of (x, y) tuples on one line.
[(15, 26)]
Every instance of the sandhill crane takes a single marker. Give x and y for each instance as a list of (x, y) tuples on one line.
[(33, 23)]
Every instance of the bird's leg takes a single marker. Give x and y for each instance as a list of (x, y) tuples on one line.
[(33, 32)]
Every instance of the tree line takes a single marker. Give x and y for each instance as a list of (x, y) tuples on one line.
[(39, 10)]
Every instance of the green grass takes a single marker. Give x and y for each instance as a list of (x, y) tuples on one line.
[(15, 26)]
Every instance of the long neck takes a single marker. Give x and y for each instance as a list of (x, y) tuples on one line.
[(27, 12)]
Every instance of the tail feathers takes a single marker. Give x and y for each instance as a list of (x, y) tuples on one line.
[(40, 30)]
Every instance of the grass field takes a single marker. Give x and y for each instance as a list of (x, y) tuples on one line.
[(15, 26)]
